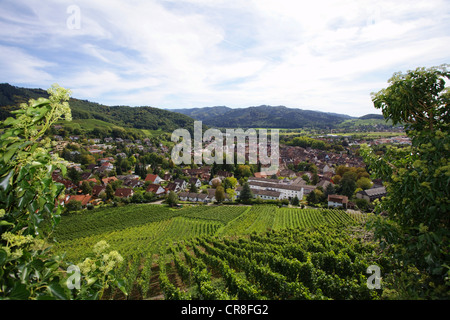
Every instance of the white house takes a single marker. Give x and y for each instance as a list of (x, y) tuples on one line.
[(153, 178), (183, 196), (191, 196), (372, 194), (195, 181), (327, 168), (266, 194), (335, 200), (286, 191), (182, 184), (156, 189)]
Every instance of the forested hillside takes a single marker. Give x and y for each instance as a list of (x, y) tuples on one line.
[(128, 117), (265, 117)]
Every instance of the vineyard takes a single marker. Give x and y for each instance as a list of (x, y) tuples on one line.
[(227, 252)]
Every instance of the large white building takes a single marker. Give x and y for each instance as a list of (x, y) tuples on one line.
[(286, 191)]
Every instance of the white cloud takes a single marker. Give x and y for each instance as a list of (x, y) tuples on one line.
[(327, 55), (19, 67)]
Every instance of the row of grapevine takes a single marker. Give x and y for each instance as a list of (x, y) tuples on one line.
[(170, 291), (287, 264), (149, 227), (236, 284), (144, 239), (263, 218), (274, 285), (196, 273), (144, 279)]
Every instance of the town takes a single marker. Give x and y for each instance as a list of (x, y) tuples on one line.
[(119, 171)]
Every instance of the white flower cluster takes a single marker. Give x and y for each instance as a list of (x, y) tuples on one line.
[(105, 262), (15, 241), (110, 261)]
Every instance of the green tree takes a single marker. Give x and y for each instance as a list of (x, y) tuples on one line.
[(220, 194), (246, 193), (109, 191), (137, 197), (231, 193), (193, 188), (73, 205), (86, 187), (244, 170), (312, 197), (336, 179), (364, 183), (172, 199), (315, 179), (347, 185), (418, 98), (306, 178), (329, 190), (362, 204), (74, 176), (416, 179), (148, 196), (229, 182)]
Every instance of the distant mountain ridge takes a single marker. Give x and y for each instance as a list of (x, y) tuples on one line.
[(264, 117), (168, 120)]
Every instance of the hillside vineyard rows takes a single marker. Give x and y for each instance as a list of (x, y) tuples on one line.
[(228, 252)]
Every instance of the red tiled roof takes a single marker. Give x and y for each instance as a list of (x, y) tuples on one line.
[(337, 198), (151, 177), (84, 199), (123, 192)]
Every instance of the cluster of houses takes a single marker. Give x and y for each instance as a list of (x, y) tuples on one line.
[(262, 185), (393, 140), (275, 189), (323, 160)]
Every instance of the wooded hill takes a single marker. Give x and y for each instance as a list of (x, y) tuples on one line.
[(123, 116), (88, 115), (264, 117)]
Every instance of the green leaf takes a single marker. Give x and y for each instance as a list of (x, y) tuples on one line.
[(26, 199), (5, 223), (57, 291), (4, 182), (51, 265), (11, 150), (3, 257), (121, 285), (8, 155), (19, 292), (24, 273), (9, 121), (56, 219), (63, 170)]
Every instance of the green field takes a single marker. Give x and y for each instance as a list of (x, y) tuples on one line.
[(138, 229), (319, 263), (86, 125), (143, 228), (197, 252)]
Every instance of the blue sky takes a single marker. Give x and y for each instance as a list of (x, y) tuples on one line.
[(316, 55)]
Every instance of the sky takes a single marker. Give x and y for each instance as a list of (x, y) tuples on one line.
[(314, 55)]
